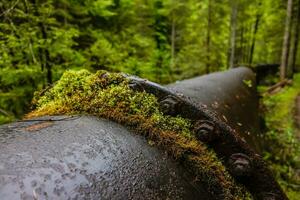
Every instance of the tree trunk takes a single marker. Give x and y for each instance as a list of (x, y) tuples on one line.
[(241, 45), (247, 44), (233, 33), (256, 24), (46, 55), (294, 46), (207, 70), (44, 52), (254, 38), (173, 44), (286, 40)]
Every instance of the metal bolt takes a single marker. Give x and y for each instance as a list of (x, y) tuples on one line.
[(205, 130), (136, 86), (169, 105), (240, 165)]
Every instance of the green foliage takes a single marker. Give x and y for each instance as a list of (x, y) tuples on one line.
[(284, 151), (248, 83), (108, 95), (161, 40)]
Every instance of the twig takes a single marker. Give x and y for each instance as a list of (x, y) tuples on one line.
[(280, 84), (4, 112)]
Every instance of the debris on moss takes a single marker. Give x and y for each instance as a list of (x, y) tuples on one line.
[(108, 95), (248, 83)]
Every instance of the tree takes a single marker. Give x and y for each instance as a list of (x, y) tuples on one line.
[(286, 41), (257, 19), (233, 24), (161, 40), (208, 35), (295, 41)]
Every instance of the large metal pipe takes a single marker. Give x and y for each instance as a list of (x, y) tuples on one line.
[(87, 158), (231, 95), (90, 158)]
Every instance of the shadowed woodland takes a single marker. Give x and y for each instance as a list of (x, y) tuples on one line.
[(159, 40), (163, 41)]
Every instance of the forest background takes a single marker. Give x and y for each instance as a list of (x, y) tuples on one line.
[(161, 40)]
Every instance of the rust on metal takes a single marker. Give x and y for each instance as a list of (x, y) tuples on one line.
[(38, 126)]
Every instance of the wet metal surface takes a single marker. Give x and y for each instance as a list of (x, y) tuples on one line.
[(232, 95), (86, 158), (226, 141)]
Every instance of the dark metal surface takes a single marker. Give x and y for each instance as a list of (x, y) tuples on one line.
[(228, 95), (86, 158), (226, 142), (90, 158)]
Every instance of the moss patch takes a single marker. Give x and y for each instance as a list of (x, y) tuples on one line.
[(5, 119), (108, 95), (283, 147)]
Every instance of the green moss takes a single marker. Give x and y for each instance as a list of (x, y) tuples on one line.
[(5, 119), (108, 95), (284, 151), (248, 83)]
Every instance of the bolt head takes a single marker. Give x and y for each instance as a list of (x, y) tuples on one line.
[(136, 86), (205, 131), (240, 165), (169, 106)]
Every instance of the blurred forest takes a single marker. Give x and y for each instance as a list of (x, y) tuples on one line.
[(161, 40)]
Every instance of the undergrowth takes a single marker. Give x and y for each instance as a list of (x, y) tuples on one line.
[(107, 95), (5, 119), (282, 149)]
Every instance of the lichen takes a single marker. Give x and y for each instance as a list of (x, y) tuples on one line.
[(108, 95)]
